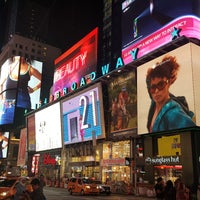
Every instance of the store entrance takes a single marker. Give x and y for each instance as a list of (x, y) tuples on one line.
[(168, 172)]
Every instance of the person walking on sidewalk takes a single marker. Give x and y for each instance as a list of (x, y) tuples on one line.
[(160, 189)]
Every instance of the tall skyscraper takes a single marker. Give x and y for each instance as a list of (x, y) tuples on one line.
[(25, 18)]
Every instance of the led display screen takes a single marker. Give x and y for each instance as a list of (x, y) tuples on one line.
[(141, 18), (83, 117), (122, 102), (20, 82), (4, 138), (77, 62), (165, 91), (48, 128)]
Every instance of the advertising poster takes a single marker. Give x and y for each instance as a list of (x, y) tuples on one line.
[(21, 161), (48, 128), (31, 132), (123, 102), (83, 117), (165, 92), (142, 18), (20, 82)]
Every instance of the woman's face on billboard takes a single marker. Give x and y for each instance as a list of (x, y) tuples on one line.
[(159, 89)]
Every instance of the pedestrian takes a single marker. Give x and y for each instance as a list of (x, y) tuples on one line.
[(170, 192), (182, 192), (37, 194), (42, 182), (160, 189)]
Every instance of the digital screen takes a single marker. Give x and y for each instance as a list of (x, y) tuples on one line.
[(20, 82), (77, 62), (123, 102), (48, 128), (4, 138), (83, 117), (165, 91), (142, 18)]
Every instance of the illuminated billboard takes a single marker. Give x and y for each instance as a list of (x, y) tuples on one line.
[(148, 25), (77, 62), (48, 128), (20, 82), (123, 102), (141, 18), (4, 137), (83, 117), (165, 91)]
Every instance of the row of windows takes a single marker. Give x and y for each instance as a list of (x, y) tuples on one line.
[(33, 50), (19, 53)]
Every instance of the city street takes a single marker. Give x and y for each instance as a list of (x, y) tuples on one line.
[(52, 193)]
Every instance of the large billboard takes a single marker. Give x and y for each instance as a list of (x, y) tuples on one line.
[(20, 82), (77, 62), (48, 128), (123, 102), (141, 18), (83, 117), (148, 25), (165, 91)]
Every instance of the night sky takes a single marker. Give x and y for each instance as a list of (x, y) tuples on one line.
[(70, 21)]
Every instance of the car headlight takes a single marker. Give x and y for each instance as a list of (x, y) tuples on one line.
[(3, 194), (88, 187)]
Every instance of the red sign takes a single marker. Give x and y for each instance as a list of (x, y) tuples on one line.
[(48, 160), (77, 62)]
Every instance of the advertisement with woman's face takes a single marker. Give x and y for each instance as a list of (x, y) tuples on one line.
[(122, 102), (165, 92)]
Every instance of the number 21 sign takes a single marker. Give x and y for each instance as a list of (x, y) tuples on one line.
[(83, 116)]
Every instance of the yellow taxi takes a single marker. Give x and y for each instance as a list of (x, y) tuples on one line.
[(82, 186), (8, 186)]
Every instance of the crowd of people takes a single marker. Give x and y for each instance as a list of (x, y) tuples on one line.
[(37, 193), (171, 191)]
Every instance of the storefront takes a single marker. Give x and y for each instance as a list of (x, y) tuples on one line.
[(47, 163), (113, 162), (82, 159), (172, 156)]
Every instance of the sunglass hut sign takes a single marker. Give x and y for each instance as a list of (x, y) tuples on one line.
[(162, 160)]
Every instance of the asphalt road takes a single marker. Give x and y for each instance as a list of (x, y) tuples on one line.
[(53, 193)]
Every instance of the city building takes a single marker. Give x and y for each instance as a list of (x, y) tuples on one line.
[(109, 119)]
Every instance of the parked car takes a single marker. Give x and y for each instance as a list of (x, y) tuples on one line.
[(82, 186), (104, 189)]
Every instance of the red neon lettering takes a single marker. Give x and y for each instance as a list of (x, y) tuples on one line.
[(49, 160)]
